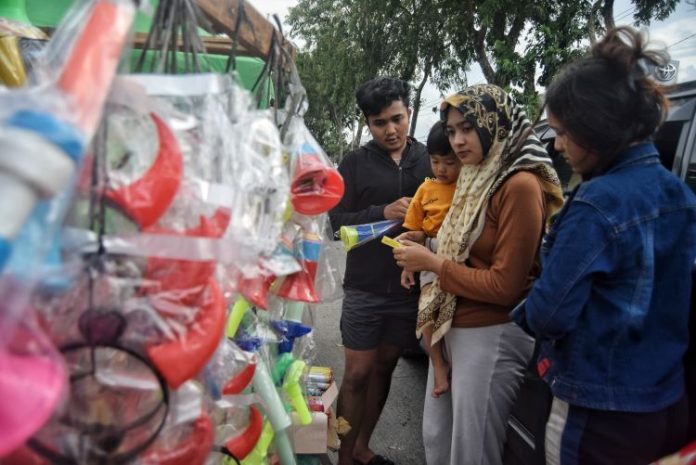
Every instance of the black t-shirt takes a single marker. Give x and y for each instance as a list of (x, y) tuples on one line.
[(372, 181)]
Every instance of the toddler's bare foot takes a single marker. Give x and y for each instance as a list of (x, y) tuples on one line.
[(441, 380)]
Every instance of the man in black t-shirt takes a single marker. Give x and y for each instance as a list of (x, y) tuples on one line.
[(378, 317)]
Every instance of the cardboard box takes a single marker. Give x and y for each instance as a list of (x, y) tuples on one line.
[(310, 439), (316, 437)]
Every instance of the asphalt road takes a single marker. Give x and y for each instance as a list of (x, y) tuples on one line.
[(398, 433)]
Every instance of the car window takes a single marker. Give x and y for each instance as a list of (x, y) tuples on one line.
[(690, 175), (667, 141), (675, 140)]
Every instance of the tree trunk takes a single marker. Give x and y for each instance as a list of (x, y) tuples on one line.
[(592, 22), (358, 134), (338, 127), (417, 101), (482, 58), (608, 14)]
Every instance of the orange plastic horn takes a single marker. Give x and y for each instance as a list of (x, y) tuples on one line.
[(256, 289), (237, 384), (193, 450), (300, 286), (90, 68), (316, 187), (183, 358), (146, 200), (185, 280), (243, 443)]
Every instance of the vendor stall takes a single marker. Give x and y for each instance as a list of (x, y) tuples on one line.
[(161, 242)]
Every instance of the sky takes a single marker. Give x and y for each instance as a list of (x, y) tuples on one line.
[(677, 32)]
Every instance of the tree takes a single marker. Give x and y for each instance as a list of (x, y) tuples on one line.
[(519, 45), (355, 40)]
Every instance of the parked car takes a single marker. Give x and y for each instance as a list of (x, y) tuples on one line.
[(676, 139)]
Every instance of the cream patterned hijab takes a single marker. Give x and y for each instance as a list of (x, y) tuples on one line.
[(502, 126)]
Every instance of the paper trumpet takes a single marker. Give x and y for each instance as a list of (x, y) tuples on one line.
[(357, 235)]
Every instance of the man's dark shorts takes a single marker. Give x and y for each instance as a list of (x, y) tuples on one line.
[(369, 319)]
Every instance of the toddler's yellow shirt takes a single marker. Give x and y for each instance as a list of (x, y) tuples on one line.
[(429, 207)]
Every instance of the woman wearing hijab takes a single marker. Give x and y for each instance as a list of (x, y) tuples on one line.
[(485, 264)]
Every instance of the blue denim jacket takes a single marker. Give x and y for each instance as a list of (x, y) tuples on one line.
[(612, 304)]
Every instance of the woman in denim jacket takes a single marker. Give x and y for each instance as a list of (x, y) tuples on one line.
[(612, 304)]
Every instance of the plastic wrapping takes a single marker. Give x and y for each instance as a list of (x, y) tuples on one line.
[(189, 434), (187, 427), (50, 123), (117, 408), (43, 131), (94, 34), (233, 186), (301, 286), (184, 357), (329, 281), (316, 186), (192, 447), (263, 184), (32, 382), (148, 197)]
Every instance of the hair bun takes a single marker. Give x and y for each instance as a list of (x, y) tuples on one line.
[(607, 101), (625, 49)]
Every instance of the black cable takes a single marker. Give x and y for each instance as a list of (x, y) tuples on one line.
[(232, 57), (96, 429)]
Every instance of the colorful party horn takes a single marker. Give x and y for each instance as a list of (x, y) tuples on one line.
[(357, 235)]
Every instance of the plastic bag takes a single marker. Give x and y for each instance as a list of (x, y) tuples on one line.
[(316, 186)]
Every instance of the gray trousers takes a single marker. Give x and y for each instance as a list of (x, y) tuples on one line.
[(466, 425)]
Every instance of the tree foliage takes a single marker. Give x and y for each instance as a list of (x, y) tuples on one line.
[(518, 45)]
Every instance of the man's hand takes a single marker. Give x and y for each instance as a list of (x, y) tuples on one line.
[(397, 209), (407, 279), (415, 257), (415, 236)]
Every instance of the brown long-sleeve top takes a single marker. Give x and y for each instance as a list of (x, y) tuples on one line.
[(502, 263)]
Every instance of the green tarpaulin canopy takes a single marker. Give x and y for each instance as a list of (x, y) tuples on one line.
[(48, 13)]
